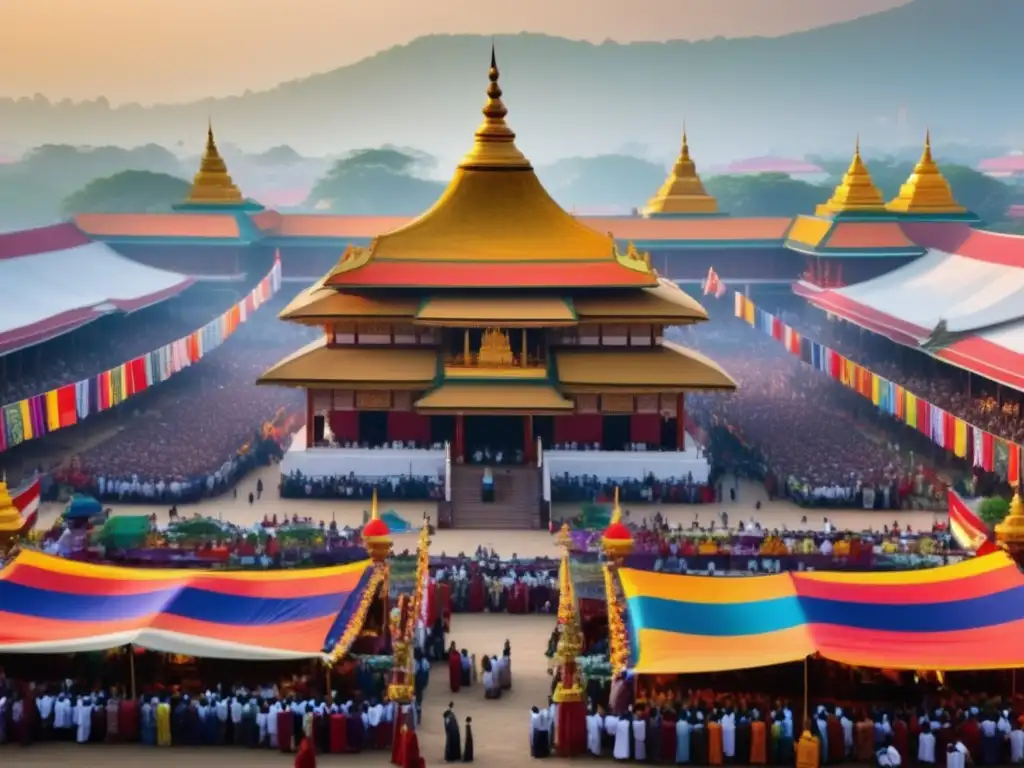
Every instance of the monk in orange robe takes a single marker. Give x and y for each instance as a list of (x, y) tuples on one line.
[(808, 750), (758, 742), (716, 755)]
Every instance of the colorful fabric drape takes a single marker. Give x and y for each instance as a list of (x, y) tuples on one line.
[(65, 406), (957, 617), (961, 438), (53, 605)]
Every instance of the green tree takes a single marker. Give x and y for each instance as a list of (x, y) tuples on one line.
[(375, 181), (765, 194), (127, 192), (993, 510)]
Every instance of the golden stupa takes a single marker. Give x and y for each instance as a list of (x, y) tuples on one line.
[(856, 193), (10, 518), (683, 192), (1010, 532), (212, 184), (926, 191)]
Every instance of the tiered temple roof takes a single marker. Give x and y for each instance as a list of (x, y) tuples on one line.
[(495, 228)]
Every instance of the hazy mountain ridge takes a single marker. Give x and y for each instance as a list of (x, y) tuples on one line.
[(950, 64)]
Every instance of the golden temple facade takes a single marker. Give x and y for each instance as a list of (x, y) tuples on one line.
[(496, 302)]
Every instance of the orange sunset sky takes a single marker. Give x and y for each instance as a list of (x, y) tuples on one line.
[(179, 50)]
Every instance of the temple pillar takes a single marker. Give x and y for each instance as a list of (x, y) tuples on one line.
[(528, 442), (681, 421), (459, 449), (310, 418)]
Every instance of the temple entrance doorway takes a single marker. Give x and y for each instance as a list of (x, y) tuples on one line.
[(544, 428), (616, 433), (493, 435), (373, 428), (668, 434), (442, 430)]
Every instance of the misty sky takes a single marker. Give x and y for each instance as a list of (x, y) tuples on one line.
[(178, 50)]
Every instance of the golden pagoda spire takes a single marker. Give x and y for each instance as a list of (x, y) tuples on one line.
[(926, 190), (494, 143), (10, 518), (683, 192), (212, 184), (1010, 532), (856, 193)]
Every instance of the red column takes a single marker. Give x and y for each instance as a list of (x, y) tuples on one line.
[(458, 454), (681, 422), (309, 418), (528, 441)]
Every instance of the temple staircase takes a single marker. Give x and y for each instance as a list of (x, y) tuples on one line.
[(516, 498)]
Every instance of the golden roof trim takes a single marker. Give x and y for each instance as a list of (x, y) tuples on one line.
[(494, 398), (667, 367), (316, 305), (926, 190), (856, 193), (345, 367), (664, 302), (503, 311), (683, 191)]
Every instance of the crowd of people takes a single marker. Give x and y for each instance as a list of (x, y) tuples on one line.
[(195, 434), (352, 487), (112, 340), (804, 434), (567, 488), (972, 398)]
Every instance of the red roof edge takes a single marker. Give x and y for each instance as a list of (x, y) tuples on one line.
[(28, 242)]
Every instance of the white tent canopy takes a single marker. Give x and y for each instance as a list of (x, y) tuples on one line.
[(56, 280)]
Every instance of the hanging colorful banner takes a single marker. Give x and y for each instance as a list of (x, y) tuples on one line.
[(985, 450), (65, 406)]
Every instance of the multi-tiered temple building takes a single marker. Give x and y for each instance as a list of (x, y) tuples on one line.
[(496, 330)]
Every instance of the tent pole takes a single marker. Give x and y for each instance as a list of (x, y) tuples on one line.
[(131, 669), (1013, 683), (807, 691), (327, 679)]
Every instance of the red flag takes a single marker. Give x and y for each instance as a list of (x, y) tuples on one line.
[(26, 501), (1013, 465), (713, 284), (792, 341)]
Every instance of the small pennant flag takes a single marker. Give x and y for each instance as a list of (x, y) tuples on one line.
[(713, 285)]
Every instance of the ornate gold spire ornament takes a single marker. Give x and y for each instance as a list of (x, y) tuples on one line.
[(10, 517), (1010, 532), (926, 191), (494, 143), (212, 183), (856, 193), (683, 192)]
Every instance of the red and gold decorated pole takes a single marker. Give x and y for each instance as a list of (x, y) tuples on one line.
[(571, 722), (617, 543)]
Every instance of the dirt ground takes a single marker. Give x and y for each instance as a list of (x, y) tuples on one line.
[(500, 727), (773, 514)]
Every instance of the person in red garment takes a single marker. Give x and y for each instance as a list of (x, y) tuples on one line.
[(306, 758), (454, 668), (411, 751)]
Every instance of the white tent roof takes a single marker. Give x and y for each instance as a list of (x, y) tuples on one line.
[(970, 280), (56, 279)]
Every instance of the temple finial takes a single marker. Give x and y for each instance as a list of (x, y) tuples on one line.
[(494, 142), (212, 184), (683, 192), (926, 191), (374, 510), (616, 510), (856, 193)]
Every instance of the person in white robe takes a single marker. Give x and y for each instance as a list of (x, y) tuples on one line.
[(611, 727), (729, 735), (83, 720), (594, 725), (1016, 744), (847, 725), (640, 738), (926, 745), (956, 755), (63, 717), (621, 748), (272, 723), (888, 756), (683, 738)]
